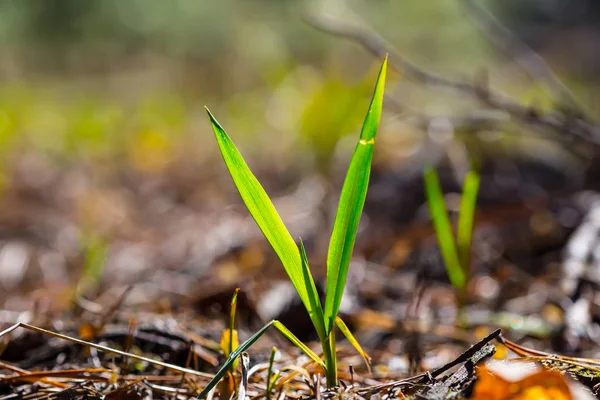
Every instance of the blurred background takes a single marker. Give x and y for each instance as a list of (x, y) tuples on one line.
[(109, 173)]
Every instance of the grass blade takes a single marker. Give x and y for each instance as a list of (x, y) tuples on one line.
[(443, 228), (350, 207), (270, 377), (233, 308), (292, 338), (314, 300), (232, 358), (244, 346), (93, 267), (268, 220), (466, 216), (352, 340), (233, 339)]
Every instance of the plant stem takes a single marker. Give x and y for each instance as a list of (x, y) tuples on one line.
[(270, 373), (330, 359)]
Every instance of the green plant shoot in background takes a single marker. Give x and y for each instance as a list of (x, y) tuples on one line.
[(455, 253), (293, 257)]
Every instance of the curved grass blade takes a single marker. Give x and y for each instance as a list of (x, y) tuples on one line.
[(232, 358), (466, 215), (268, 220), (351, 204), (443, 228), (350, 337), (292, 338), (244, 346)]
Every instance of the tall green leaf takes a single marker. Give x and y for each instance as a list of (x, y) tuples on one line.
[(268, 220), (464, 232), (352, 200), (443, 228), (93, 266)]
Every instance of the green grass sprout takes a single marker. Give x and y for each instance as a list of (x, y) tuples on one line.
[(268, 220), (352, 200), (466, 217), (292, 256), (229, 343), (443, 228), (271, 379), (93, 266), (455, 253), (233, 341), (229, 338)]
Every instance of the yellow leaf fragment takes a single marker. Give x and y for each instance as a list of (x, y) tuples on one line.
[(225, 343)]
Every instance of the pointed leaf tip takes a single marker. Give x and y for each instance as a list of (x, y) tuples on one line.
[(369, 129), (213, 120)]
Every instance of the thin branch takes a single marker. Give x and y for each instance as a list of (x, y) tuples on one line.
[(380, 47), (470, 352), (558, 122), (106, 349), (530, 61)]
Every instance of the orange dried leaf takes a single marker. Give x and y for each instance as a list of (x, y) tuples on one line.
[(543, 385), (227, 386), (87, 331)]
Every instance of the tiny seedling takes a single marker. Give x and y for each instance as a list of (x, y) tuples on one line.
[(229, 337), (93, 267), (293, 257), (229, 343), (271, 378), (455, 253)]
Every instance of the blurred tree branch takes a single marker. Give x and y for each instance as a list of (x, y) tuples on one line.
[(518, 51), (568, 122)]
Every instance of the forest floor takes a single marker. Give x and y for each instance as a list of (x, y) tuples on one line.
[(153, 292)]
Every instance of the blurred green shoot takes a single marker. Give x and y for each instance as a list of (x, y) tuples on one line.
[(341, 244), (322, 126), (456, 254), (466, 217), (93, 266)]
